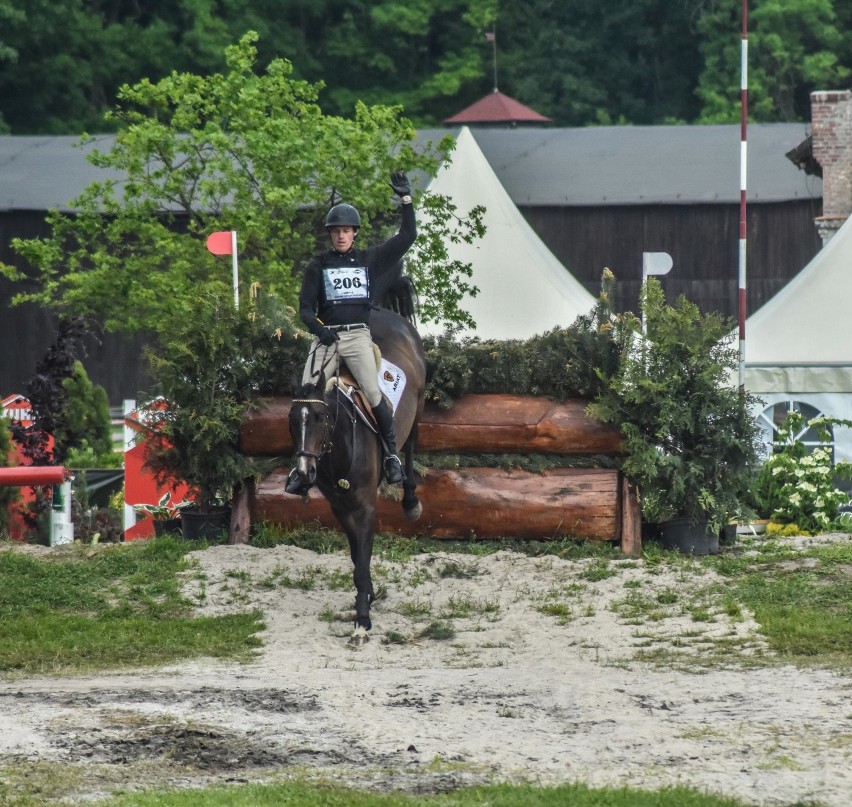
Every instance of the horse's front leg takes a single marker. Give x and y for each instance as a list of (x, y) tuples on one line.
[(359, 526)]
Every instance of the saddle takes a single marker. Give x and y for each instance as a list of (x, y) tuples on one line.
[(348, 386)]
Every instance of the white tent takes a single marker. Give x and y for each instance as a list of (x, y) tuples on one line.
[(523, 288), (799, 344)]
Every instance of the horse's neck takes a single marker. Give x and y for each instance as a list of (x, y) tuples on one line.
[(351, 439)]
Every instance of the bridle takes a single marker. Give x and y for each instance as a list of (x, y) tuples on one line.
[(325, 443)]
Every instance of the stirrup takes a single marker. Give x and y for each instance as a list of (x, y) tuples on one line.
[(393, 470), (295, 485)]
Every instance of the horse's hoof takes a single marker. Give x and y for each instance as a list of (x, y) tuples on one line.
[(414, 513), (359, 638)]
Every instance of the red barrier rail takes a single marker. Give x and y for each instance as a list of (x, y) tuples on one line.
[(25, 475)]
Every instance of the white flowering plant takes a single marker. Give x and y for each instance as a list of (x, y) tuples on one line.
[(163, 509), (798, 485)]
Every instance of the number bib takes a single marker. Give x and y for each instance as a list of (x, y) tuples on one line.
[(346, 284)]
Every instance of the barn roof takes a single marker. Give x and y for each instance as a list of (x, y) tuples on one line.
[(497, 108), (641, 165), (595, 166), (46, 172)]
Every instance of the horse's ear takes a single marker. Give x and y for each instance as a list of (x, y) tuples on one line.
[(306, 391)]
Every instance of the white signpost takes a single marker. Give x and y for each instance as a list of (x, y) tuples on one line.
[(654, 263)]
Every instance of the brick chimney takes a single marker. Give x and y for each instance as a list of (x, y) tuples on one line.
[(831, 125)]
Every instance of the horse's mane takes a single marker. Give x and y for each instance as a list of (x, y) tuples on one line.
[(401, 298)]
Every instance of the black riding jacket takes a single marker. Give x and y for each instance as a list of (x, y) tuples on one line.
[(339, 288)]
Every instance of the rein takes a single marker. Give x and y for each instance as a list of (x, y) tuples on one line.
[(328, 357)]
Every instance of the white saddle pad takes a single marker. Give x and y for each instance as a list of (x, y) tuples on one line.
[(392, 382)]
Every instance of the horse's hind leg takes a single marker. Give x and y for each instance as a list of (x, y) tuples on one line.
[(411, 507)]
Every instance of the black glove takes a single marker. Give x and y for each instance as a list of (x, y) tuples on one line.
[(400, 184), (327, 336)]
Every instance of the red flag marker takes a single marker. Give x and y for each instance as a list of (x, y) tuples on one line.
[(220, 243), (224, 242)]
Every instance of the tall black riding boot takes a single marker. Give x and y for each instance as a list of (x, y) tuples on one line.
[(393, 467)]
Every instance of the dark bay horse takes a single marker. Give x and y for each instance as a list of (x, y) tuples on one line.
[(338, 452)]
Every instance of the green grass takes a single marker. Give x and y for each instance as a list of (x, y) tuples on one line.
[(115, 606), (299, 794), (801, 599)]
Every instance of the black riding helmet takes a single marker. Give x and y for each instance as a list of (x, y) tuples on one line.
[(343, 216)]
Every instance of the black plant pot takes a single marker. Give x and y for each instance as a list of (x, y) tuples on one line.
[(212, 525), (728, 535), (167, 526), (689, 537)]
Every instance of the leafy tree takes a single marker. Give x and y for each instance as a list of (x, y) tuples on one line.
[(8, 13), (8, 54), (234, 151), (86, 423), (580, 63), (73, 56), (794, 47), (8, 494), (422, 54)]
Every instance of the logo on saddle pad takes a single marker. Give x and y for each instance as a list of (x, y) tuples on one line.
[(391, 382)]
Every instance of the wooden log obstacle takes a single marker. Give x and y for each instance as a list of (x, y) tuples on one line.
[(592, 503)]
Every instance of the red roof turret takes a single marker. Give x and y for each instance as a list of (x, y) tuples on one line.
[(497, 108)]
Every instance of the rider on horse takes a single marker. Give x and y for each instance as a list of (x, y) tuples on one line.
[(338, 288)]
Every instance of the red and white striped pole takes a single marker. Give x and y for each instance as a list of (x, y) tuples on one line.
[(743, 164)]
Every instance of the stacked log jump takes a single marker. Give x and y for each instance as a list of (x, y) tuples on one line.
[(589, 503)]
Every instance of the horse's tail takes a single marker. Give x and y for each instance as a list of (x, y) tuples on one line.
[(402, 299)]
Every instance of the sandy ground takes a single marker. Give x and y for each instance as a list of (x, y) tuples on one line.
[(550, 677)]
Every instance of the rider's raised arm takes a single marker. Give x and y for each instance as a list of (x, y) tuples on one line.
[(388, 255)]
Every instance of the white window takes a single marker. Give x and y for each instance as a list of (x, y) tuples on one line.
[(773, 417)]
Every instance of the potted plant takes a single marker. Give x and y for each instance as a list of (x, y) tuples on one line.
[(165, 513), (691, 442), (192, 426)]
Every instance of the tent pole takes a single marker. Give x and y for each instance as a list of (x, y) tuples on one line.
[(743, 163)]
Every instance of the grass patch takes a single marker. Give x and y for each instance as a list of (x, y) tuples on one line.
[(301, 794), (118, 605), (464, 608), (458, 570), (439, 631), (558, 610), (415, 609), (800, 599), (306, 580), (598, 569)]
